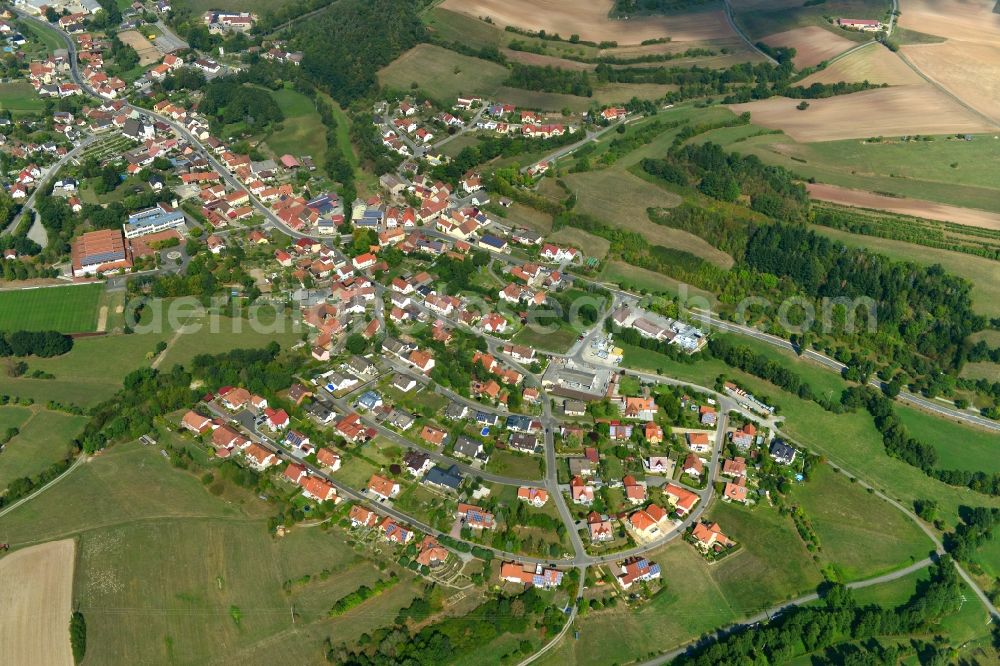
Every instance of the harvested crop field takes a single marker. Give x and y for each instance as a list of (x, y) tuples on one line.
[(970, 71), (812, 44), (911, 109), (963, 20), (36, 595), (874, 63), (925, 209), (591, 20), (148, 53)]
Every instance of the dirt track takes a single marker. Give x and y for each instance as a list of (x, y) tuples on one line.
[(36, 595), (875, 64), (915, 207)]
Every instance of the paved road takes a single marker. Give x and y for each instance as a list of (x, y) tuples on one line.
[(731, 18), (566, 150), (835, 365), (471, 125), (47, 174), (168, 40)]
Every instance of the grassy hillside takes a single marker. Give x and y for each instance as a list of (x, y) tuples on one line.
[(169, 573)]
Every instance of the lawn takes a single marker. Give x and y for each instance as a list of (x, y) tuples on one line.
[(229, 334), (558, 341), (19, 97), (860, 535), (168, 573), (302, 130), (823, 381), (64, 309), (763, 534), (46, 37), (516, 465), (88, 374), (442, 73), (44, 438), (589, 244)]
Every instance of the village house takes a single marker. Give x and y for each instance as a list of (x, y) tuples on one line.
[(681, 499), (699, 442), (537, 497), (636, 569), (328, 459), (196, 423), (475, 517), (382, 487), (635, 492), (600, 528), (530, 574), (693, 466), (710, 537), (362, 517), (581, 492), (648, 522)]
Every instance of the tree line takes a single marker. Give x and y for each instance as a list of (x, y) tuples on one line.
[(453, 638), (831, 627)]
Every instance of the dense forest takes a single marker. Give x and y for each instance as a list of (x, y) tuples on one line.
[(626, 7), (344, 47), (771, 190), (923, 315), (550, 79), (227, 101)]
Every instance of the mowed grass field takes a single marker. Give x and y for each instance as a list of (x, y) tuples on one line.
[(860, 535), (302, 130), (44, 438), (94, 369), (621, 199), (442, 73), (19, 97), (169, 573), (64, 309), (958, 446)]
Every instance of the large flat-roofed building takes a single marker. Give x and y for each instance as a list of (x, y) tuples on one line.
[(153, 220), (100, 252)]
